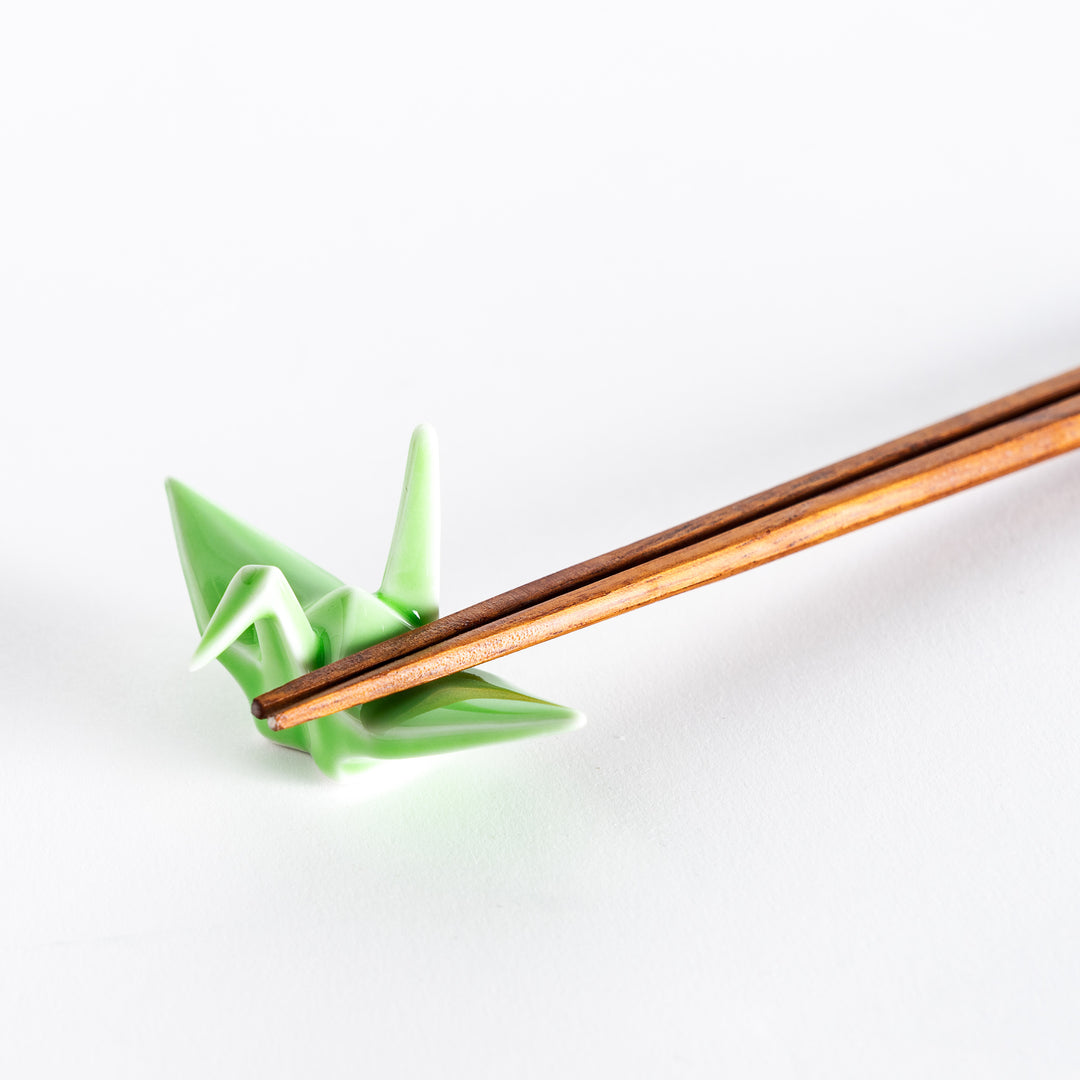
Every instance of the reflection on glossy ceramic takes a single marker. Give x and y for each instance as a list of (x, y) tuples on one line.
[(270, 615)]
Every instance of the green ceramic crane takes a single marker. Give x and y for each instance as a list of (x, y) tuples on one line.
[(269, 615)]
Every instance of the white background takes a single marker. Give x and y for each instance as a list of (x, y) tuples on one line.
[(633, 261)]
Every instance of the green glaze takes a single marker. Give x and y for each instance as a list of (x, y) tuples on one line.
[(269, 615)]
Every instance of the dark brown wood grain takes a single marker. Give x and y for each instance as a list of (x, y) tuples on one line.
[(671, 561)]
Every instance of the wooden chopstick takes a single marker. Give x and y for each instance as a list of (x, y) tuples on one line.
[(969, 449)]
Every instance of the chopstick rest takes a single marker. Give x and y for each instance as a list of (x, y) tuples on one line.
[(269, 615)]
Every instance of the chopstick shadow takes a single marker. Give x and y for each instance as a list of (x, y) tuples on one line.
[(804, 644)]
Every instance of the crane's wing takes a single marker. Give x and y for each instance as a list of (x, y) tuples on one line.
[(467, 709), (411, 579), (214, 546)]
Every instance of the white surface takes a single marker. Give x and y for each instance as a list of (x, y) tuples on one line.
[(633, 261)]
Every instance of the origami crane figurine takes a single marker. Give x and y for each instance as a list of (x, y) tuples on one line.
[(269, 615)]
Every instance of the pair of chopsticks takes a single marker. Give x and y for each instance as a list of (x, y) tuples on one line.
[(1006, 435)]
